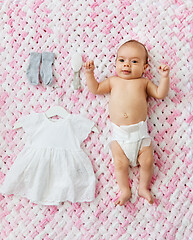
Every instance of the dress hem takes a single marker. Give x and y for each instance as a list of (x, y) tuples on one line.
[(55, 203)]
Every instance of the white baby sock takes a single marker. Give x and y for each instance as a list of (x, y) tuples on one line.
[(46, 67), (33, 68)]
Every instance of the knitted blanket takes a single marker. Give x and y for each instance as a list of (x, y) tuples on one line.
[(95, 29)]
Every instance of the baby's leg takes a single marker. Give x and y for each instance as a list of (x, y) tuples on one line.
[(145, 159), (121, 163)]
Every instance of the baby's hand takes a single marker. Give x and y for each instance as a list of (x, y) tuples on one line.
[(89, 66), (164, 70)]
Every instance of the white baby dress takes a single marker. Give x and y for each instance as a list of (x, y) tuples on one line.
[(52, 167)]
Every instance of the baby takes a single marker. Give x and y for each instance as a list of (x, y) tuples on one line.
[(131, 144)]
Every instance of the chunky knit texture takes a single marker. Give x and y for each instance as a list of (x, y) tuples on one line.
[(96, 29)]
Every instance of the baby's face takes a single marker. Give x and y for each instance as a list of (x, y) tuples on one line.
[(130, 63)]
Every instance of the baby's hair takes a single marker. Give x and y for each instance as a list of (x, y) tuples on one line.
[(134, 41)]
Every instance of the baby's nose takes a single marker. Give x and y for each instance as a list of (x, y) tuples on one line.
[(126, 63)]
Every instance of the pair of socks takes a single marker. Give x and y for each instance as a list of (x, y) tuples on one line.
[(47, 59)]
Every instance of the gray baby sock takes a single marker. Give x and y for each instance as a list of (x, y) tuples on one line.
[(33, 68), (46, 67)]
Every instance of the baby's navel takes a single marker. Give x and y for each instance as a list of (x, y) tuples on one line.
[(125, 115)]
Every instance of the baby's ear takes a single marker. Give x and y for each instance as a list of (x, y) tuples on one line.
[(145, 66)]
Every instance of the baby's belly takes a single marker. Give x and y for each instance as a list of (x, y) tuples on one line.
[(127, 115)]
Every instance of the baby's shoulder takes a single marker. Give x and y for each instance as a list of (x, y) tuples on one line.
[(113, 79), (144, 81)]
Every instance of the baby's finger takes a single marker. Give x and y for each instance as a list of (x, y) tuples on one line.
[(161, 67), (91, 63), (166, 68), (86, 65)]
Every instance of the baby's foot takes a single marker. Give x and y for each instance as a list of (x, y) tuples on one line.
[(123, 198), (145, 193)]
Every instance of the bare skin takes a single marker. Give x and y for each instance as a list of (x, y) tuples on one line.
[(121, 164), (128, 105)]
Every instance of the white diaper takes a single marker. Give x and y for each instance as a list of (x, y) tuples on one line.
[(132, 138)]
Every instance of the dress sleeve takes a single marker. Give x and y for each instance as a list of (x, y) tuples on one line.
[(82, 126), (29, 122)]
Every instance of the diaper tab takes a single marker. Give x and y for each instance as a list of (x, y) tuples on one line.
[(143, 131)]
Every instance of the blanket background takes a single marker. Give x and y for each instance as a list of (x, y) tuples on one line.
[(96, 29)]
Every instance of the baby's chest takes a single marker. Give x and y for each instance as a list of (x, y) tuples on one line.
[(129, 90)]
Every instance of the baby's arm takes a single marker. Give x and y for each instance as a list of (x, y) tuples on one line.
[(95, 87), (160, 91)]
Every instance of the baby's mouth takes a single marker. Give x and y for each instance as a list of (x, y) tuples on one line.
[(126, 72)]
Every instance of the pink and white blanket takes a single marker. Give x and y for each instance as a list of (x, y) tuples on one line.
[(95, 29)]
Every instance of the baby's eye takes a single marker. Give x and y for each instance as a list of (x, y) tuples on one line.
[(134, 61), (121, 60)]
